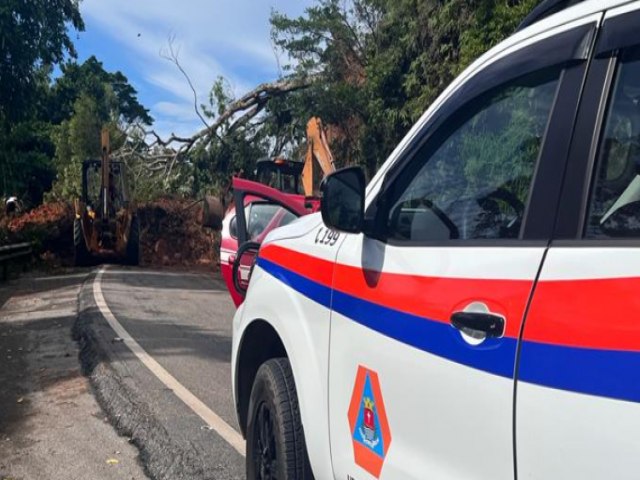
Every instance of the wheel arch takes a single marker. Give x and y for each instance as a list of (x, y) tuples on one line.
[(260, 342), (283, 323)]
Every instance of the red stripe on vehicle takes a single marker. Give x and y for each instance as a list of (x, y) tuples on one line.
[(435, 298), (313, 268), (598, 314)]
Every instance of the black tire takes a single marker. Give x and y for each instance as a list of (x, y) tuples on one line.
[(82, 257), (276, 447), (133, 244)]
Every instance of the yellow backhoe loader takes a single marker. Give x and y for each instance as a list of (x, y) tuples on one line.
[(106, 225)]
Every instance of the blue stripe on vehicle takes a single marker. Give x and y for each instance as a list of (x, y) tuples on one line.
[(605, 373), (313, 290)]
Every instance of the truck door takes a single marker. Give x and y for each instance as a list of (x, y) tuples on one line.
[(578, 389), (426, 316), (258, 209)]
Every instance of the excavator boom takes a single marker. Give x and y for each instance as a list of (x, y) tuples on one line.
[(318, 149)]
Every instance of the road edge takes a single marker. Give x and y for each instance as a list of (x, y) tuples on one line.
[(102, 363)]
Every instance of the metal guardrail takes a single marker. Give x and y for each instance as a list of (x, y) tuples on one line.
[(11, 253)]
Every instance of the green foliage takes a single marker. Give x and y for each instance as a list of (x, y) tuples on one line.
[(33, 33), (85, 99), (233, 151), (78, 105), (383, 62), (25, 167), (493, 21), (115, 98), (47, 128), (76, 140)]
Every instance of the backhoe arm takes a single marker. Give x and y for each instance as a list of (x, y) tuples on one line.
[(318, 148)]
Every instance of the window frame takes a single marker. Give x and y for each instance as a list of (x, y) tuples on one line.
[(458, 121), (577, 190), (569, 51), (617, 61)]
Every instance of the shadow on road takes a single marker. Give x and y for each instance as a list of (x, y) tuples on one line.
[(171, 314), (36, 348), (162, 279), (169, 338)]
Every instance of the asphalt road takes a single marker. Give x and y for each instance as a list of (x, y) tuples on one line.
[(167, 321), (51, 426), (183, 322)]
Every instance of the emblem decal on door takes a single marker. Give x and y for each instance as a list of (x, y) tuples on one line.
[(370, 432)]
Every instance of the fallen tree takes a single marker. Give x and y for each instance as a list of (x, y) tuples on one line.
[(160, 154)]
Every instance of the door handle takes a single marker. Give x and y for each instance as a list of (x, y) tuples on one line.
[(491, 325)]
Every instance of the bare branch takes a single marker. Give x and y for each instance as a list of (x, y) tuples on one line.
[(172, 56), (254, 101), (158, 156)]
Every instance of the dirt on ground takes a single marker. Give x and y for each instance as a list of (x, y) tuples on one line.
[(49, 228), (171, 234)]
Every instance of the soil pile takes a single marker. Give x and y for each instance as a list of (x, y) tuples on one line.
[(49, 228), (172, 234)]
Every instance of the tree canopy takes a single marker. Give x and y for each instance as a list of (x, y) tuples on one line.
[(42, 119), (112, 92), (368, 68), (383, 62), (34, 34)]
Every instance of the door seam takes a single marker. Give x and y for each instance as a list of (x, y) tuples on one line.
[(516, 367)]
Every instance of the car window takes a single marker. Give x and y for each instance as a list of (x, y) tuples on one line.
[(471, 180), (614, 209), (264, 217), (233, 228)]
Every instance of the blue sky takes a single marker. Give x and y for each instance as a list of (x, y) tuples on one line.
[(214, 37)]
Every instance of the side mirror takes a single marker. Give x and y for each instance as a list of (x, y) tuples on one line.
[(342, 203), (213, 213), (243, 266)]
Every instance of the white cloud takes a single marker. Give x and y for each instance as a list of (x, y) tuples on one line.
[(179, 111), (230, 38)]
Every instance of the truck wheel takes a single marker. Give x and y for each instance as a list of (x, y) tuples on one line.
[(133, 245), (82, 257), (275, 439)]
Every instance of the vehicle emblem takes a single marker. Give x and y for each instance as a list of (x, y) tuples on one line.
[(370, 432)]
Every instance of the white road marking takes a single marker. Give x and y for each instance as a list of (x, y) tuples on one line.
[(222, 428)]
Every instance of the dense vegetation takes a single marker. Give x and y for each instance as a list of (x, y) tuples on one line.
[(384, 61), (369, 68), (47, 125)]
